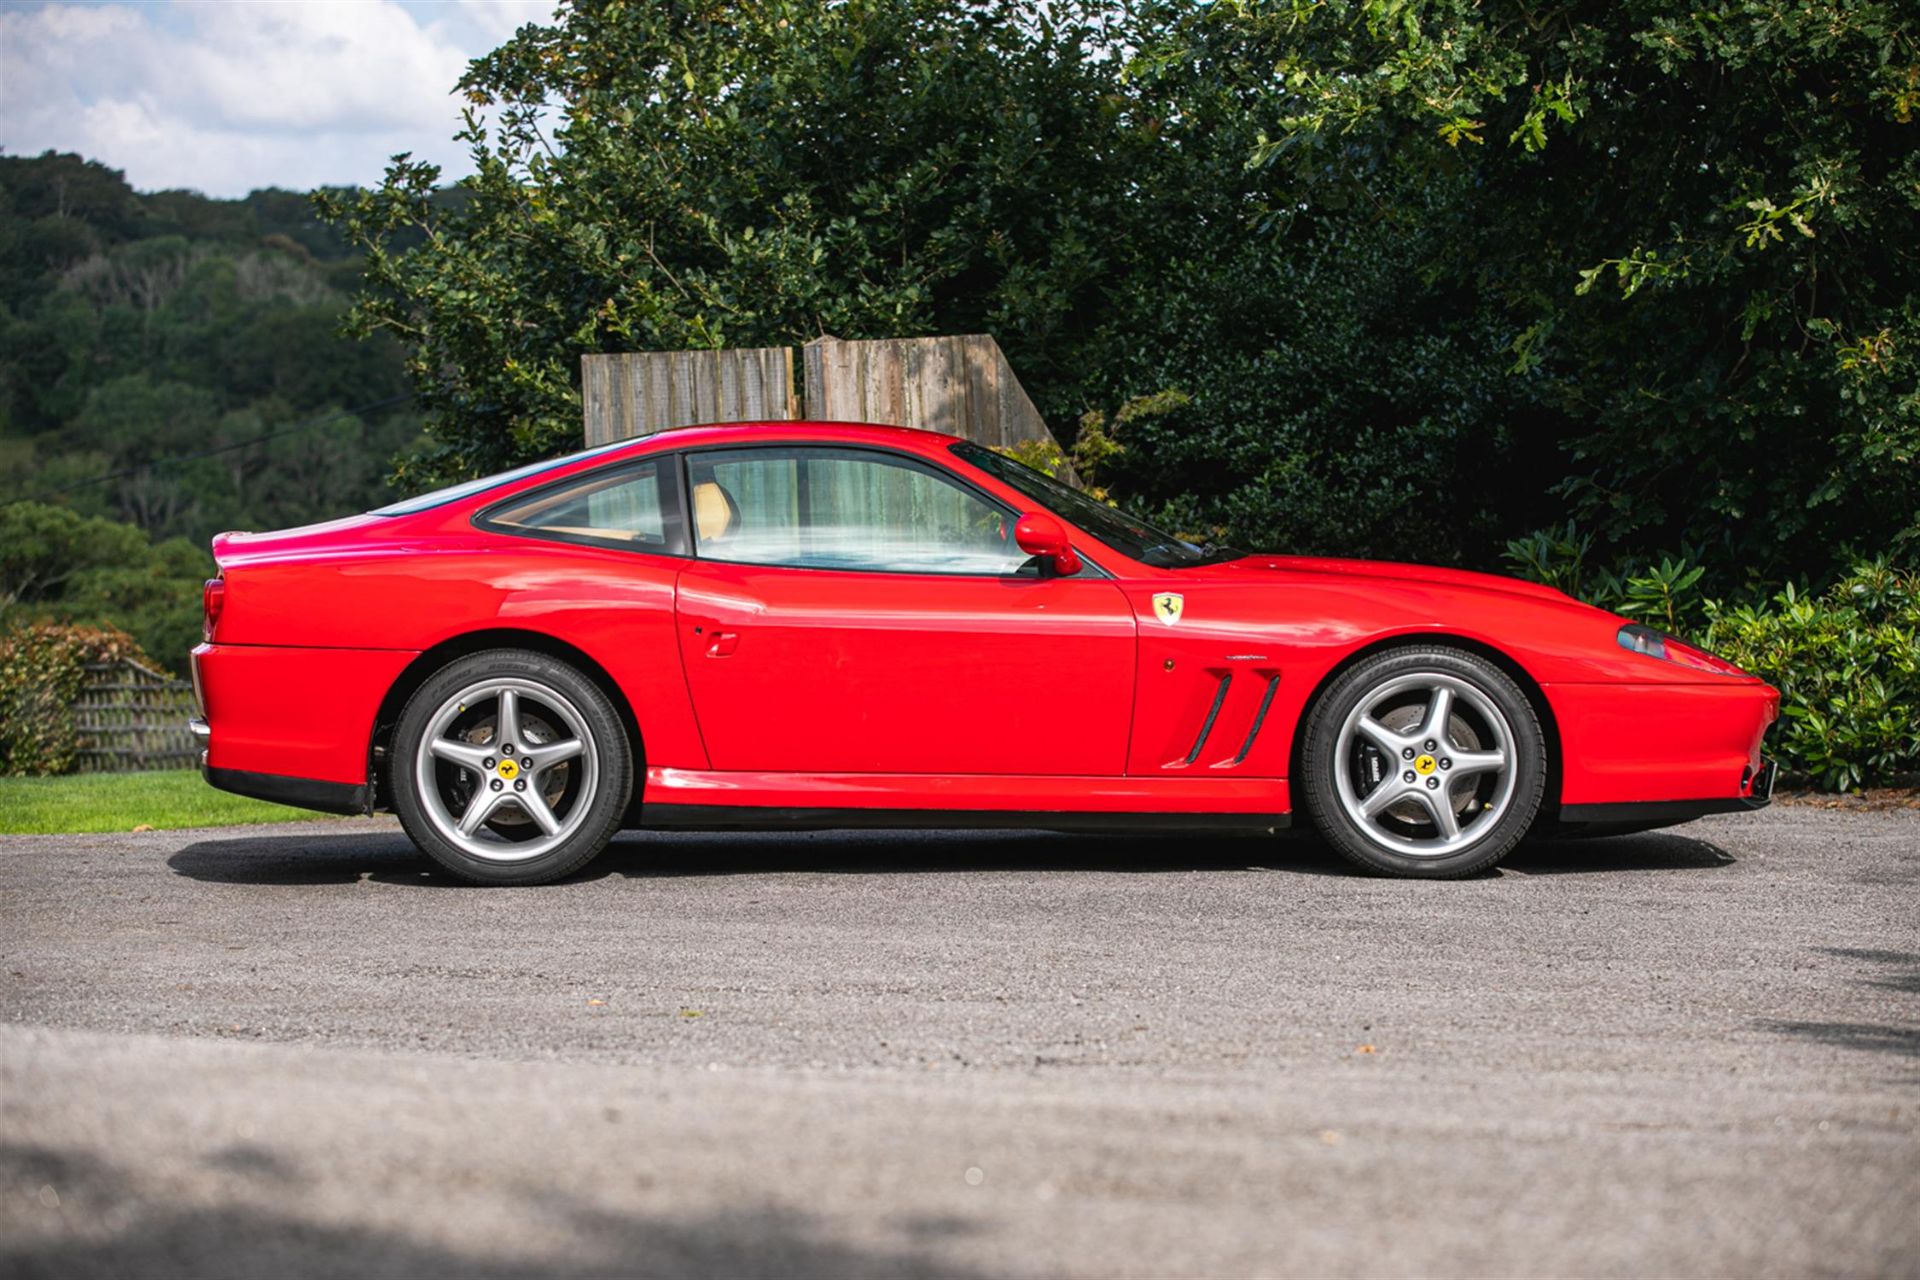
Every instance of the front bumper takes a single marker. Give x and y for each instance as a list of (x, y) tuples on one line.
[(1697, 747), (1650, 813)]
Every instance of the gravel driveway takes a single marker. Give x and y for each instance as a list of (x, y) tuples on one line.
[(296, 1050)]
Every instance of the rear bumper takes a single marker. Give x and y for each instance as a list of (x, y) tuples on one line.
[(300, 793), (301, 719)]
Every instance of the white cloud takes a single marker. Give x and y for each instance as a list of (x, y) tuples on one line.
[(226, 97)]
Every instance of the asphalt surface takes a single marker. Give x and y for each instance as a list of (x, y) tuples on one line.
[(296, 1051)]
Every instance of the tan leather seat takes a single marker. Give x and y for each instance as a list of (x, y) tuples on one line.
[(620, 535), (715, 514)]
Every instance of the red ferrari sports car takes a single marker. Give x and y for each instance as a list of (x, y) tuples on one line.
[(830, 625)]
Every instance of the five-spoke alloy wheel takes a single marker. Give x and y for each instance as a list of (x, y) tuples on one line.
[(510, 767), (1423, 762)]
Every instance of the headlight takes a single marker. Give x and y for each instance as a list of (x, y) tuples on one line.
[(1643, 640), (1658, 644)]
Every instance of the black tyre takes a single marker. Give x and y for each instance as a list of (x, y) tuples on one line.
[(1425, 762), (510, 767)]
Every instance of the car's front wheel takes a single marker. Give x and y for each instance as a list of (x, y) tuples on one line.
[(510, 767), (1424, 762)]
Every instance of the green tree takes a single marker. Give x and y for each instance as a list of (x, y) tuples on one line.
[(686, 174), (154, 597), (1433, 272), (58, 565), (62, 567), (43, 547), (1697, 223)]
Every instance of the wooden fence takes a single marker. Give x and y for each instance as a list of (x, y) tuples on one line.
[(643, 392), (961, 385), (132, 717)]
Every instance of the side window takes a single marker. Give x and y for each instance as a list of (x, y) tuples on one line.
[(825, 508), (634, 507)]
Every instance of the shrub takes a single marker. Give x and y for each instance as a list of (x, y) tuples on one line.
[(1847, 662), (42, 668)]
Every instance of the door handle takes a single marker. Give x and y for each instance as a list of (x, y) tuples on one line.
[(722, 644)]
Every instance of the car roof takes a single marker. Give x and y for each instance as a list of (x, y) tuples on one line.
[(909, 438), (489, 489)]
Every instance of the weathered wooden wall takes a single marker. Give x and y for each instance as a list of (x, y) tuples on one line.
[(961, 385), (639, 393)]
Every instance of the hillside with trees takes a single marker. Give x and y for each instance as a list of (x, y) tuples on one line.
[(170, 366)]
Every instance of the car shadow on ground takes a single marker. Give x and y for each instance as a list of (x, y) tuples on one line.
[(388, 857), (140, 1229), (1641, 851)]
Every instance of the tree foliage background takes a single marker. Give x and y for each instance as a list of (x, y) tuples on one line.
[(1432, 274)]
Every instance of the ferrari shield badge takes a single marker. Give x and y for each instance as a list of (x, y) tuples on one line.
[(1167, 606)]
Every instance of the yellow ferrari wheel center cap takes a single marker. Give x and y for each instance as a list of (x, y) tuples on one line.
[(508, 769), (1425, 764)]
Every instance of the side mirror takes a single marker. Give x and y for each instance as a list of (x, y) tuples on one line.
[(1039, 534)]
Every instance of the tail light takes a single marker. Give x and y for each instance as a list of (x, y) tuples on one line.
[(213, 598)]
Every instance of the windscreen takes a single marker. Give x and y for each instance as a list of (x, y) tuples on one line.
[(1127, 534)]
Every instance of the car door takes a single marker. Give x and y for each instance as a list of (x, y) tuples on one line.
[(858, 610)]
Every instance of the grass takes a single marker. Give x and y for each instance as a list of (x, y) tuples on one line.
[(89, 802)]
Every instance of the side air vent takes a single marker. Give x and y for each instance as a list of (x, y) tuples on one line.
[(1213, 713), (1259, 717)]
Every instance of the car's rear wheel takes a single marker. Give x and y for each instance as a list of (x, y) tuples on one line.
[(510, 767), (1423, 762)]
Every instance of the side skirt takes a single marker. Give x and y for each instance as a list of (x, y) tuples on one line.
[(689, 799), (715, 817)]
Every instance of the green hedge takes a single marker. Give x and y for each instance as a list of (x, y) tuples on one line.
[(1847, 662), (43, 666)]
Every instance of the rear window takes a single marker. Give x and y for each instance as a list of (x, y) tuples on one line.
[(455, 492), (635, 507)]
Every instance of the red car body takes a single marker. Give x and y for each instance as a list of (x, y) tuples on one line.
[(759, 695)]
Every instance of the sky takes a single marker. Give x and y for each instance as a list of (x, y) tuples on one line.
[(224, 96)]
